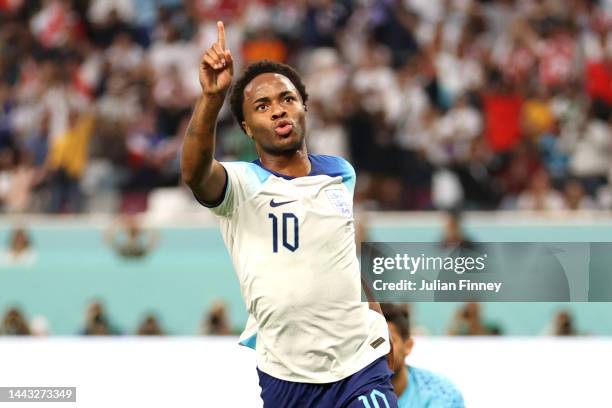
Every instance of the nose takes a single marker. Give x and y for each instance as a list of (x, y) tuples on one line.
[(278, 111)]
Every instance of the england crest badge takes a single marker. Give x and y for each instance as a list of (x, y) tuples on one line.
[(339, 200)]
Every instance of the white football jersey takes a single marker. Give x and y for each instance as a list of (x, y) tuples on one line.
[(292, 245)]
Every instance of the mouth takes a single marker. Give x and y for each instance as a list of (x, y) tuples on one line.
[(283, 128)]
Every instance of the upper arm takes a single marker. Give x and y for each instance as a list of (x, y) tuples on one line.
[(242, 180), (211, 191), (234, 190)]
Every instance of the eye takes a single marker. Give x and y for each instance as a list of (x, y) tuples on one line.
[(261, 108), (289, 99)]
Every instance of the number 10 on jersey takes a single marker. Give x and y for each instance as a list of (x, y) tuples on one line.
[(289, 227)]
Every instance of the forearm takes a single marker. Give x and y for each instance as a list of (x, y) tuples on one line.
[(199, 143), (200, 171)]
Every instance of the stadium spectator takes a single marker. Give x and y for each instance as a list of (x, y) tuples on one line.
[(593, 151), (96, 321), (575, 198), (540, 196), (562, 325), (454, 237), (477, 175), (150, 326), (468, 322), (17, 180), (14, 323), (537, 116), (521, 164), (216, 322), (68, 155), (501, 110), (19, 250), (132, 242)]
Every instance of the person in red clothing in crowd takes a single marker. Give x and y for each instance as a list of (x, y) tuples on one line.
[(502, 111), (598, 69)]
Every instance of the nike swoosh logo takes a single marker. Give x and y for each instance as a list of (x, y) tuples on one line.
[(275, 204)]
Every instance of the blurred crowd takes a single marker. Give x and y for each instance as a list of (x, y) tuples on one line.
[(484, 104), (467, 321), (97, 322)]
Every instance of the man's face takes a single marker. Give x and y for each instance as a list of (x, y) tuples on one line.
[(401, 348), (274, 113)]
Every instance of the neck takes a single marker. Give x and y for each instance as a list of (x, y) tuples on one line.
[(292, 164), (400, 381)]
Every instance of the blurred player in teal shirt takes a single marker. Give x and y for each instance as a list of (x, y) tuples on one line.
[(416, 387)]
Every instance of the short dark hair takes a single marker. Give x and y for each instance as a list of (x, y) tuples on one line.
[(399, 316), (258, 68)]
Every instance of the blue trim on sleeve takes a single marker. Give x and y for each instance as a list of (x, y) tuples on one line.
[(250, 342), (349, 178)]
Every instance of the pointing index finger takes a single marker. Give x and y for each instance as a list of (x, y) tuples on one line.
[(221, 30)]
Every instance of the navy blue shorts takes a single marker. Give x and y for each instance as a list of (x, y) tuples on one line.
[(369, 387)]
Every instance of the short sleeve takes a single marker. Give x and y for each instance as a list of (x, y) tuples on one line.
[(243, 180), (349, 177), (224, 206), (334, 166)]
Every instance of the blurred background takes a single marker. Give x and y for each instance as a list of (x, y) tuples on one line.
[(466, 120), (497, 109)]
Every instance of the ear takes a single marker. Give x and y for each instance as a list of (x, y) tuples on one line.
[(247, 129), (305, 108), (408, 344)]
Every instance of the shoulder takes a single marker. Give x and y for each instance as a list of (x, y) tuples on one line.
[(246, 170), (333, 166), (439, 389), (330, 165)]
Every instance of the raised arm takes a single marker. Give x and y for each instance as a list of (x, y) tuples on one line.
[(199, 169)]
